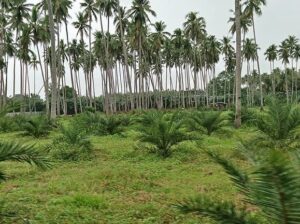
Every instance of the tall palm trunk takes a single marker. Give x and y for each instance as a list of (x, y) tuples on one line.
[(74, 94), (140, 72), (238, 117), (90, 62), (258, 66), (286, 83), (53, 62), (125, 55)]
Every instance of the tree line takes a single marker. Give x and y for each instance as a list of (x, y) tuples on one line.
[(141, 65)]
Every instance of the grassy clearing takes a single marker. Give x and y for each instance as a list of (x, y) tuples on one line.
[(119, 185)]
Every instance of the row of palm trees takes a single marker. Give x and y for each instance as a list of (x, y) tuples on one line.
[(136, 59)]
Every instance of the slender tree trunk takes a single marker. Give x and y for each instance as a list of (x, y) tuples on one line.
[(238, 117), (258, 68), (74, 94), (286, 83), (53, 62)]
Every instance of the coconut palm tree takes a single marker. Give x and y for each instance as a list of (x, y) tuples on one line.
[(40, 35), (213, 56), (140, 13), (24, 42), (53, 61), (5, 47), (245, 24), (271, 56), (19, 16), (292, 42), (90, 11), (284, 55), (296, 56), (252, 8), (249, 53), (158, 39), (121, 23), (62, 8), (229, 58), (34, 64), (195, 29)]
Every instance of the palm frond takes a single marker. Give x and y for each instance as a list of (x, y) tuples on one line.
[(275, 189), (221, 212), (238, 177), (22, 153)]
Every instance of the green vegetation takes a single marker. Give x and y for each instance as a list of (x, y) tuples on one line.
[(149, 147), (72, 143), (161, 132), (37, 126), (209, 122), (271, 188), (113, 178)]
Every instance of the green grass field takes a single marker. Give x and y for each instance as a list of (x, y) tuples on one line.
[(119, 185)]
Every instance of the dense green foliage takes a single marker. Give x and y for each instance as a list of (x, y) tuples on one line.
[(208, 122), (97, 160), (279, 126), (272, 186), (72, 144), (37, 126), (161, 132)]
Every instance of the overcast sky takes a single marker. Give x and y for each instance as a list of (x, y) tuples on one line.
[(280, 18)]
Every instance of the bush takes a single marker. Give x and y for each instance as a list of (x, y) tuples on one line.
[(73, 144), (208, 122), (37, 126), (99, 124), (279, 126), (159, 133), (7, 124), (110, 125)]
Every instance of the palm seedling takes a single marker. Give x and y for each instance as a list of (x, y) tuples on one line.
[(248, 116), (73, 136), (160, 132), (95, 123), (88, 121), (279, 126), (207, 122), (72, 144), (37, 127), (271, 189), (109, 125)]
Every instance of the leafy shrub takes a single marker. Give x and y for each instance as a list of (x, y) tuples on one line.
[(207, 122), (159, 133), (99, 124), (37, 126), (279, 125), (110, 125), (249, 116), (20, 121), (7, 124), (90, 110), (73, 144)]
